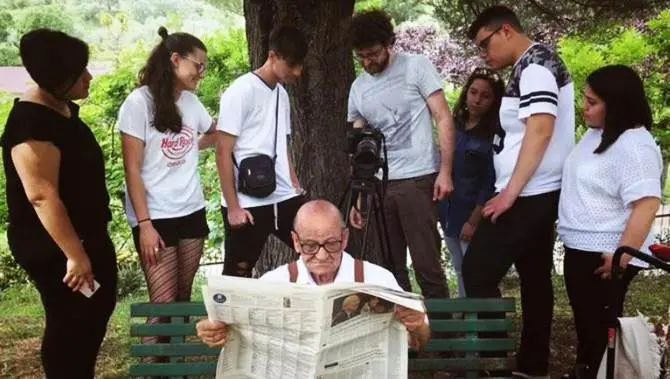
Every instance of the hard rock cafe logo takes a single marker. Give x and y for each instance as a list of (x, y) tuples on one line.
[(175, 146)]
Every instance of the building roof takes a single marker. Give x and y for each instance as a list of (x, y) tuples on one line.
[(15, 80)]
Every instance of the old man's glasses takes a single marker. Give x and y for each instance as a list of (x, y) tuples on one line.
[(310, 247)]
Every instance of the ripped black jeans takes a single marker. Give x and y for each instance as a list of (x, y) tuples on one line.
[(243, 245)]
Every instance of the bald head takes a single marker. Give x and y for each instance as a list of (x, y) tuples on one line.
[(319, 214)]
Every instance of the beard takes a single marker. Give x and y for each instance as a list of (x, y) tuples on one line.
[(377, 67)]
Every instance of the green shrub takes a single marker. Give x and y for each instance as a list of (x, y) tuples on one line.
[(10, 273)]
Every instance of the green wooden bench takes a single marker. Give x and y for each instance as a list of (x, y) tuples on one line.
[(181, 348), (462, 340), (458, 337)]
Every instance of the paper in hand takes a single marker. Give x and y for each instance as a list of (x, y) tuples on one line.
[(86, 290)]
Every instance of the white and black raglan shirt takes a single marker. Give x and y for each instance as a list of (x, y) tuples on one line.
[(539, 84)]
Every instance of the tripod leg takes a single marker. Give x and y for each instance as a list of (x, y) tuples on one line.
[(368, 210), (382, 227)]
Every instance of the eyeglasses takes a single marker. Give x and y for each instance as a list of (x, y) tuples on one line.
[(483, 45), (312, 247), (200, 66), (373, 56)]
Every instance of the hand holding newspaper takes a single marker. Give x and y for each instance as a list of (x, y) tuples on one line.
[(289, 331)]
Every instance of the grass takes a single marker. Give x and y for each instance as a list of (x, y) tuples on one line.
[(21, 326)]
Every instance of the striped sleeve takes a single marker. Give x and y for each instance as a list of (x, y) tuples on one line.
[(538, 92)]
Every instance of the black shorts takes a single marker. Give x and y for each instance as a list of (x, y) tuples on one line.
[(172, 230)]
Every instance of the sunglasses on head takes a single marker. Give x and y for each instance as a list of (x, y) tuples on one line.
[(487, 72)]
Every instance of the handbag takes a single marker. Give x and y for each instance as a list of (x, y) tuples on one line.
[(256, 174)]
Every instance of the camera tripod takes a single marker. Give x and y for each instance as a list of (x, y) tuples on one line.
[(371, 193)]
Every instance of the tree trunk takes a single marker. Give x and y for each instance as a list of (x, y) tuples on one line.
[(319, 99)]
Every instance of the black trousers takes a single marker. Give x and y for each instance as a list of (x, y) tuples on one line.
[(244, 245), (590, 297), (523, 236), (75, 325)]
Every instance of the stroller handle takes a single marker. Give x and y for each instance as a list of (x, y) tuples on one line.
[(660, 253)]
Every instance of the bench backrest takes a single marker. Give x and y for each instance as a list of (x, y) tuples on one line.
[(180, 347), (456, 335), (460, 336)]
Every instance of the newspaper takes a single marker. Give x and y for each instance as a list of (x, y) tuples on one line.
[(294, 331)]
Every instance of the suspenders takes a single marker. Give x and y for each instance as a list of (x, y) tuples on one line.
[(358, 271)]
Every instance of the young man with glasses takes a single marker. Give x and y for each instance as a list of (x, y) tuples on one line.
[(535, 136), (255, 119), (319, 236), (401, 95)]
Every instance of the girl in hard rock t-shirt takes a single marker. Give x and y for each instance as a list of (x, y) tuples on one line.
[(160, 122)]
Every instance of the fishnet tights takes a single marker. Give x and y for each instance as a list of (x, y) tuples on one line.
[(171, 279)]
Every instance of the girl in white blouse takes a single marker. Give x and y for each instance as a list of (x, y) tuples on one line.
[(611, 190)]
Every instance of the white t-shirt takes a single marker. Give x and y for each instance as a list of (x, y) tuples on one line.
[(394, 101), (247, 111), (540, 83), (170, 163), (598, 189), (372, 274)]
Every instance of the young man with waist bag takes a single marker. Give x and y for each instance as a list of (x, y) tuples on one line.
[(261, 193)]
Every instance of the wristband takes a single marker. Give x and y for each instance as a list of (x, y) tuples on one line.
[(143, 220)]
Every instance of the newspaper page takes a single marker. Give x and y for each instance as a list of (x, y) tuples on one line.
[(284, 330)]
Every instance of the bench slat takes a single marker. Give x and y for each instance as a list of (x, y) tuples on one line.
[(168, 309), (173, 369), (461, 364), (492, 325), (172, 350), (471, 344), (470, 305), (137, 330)]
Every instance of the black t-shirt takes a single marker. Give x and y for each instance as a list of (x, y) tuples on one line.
[(81, 181)]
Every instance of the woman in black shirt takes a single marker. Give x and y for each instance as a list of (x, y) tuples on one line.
[(58, 204)]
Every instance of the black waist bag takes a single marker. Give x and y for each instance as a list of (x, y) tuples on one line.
[(257, 177), (256, 174)]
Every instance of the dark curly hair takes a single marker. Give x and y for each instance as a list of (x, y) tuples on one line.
[(490, 120), (370, 28), (158, 75)]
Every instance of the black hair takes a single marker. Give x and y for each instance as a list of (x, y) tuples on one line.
[(158, 75), (289, 43), (370, 28), (490, 120), (626, 105), (494, 17), (54, 60)]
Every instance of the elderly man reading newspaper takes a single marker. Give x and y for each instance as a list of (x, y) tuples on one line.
[(320, 237)]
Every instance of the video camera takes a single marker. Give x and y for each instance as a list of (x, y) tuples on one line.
[(365, 145)]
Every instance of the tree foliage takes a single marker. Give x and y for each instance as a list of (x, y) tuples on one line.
[(547, 19), (399, 10), (647, 51)]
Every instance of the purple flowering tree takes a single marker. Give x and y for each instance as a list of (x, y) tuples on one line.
[(454, 60)]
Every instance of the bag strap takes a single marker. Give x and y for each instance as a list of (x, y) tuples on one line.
[(293, 272), (358, 271), (276, 122)]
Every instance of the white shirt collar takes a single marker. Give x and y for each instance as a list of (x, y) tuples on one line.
[(344, 274)]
